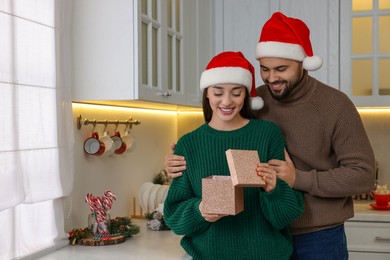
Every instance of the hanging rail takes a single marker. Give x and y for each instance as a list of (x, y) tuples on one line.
[(94, 122)]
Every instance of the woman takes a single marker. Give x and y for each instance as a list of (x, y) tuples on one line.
[(261, 230)]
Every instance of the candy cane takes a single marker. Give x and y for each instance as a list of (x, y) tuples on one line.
[(101, 216), (109, 198), (88, 199)]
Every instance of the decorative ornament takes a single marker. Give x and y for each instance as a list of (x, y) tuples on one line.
[(161, 178), (156, 221), (99, 207)]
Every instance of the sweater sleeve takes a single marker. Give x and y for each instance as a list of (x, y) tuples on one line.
[(354, 173), (282, 205), (181, 210), (181, 206)]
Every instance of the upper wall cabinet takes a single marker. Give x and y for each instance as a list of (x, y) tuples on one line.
[(239, 25), (365, 51), (351, 36), (149, 50)]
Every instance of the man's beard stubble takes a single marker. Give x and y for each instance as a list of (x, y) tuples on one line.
[(290, 85), (280, 95)]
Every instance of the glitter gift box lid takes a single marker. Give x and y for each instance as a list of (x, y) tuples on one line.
[(242, 166), (219, 196)]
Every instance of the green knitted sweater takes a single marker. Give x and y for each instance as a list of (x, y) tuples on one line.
[(259, 232)]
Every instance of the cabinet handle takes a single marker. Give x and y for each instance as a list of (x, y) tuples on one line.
[(382, 238), (166, 94)]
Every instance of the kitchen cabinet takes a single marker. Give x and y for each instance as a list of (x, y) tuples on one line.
[(140, 50), (365, 52), (239, 24), (368, 234)]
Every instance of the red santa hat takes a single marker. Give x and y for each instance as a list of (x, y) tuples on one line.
[(289, 38), (231, 67)]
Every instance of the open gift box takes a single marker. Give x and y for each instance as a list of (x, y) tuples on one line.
[(225, 194), (242, 167), (220, 196)]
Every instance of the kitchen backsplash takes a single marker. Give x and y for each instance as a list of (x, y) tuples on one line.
[(124, 174), (377, 125)]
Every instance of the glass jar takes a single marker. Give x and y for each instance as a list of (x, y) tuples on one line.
[(92, 223), (108, 221)]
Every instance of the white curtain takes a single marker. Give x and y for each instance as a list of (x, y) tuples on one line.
[(36, 135)]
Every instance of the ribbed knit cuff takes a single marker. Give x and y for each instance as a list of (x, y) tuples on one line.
[(274, 193), (304, 181)]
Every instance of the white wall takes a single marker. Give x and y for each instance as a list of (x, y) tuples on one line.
[(122, 174)]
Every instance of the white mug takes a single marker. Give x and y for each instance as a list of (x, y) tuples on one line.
[(129, 141), (93, 146), (108, 143), (120, 145)]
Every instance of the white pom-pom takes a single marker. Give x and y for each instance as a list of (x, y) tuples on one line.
[(312, 63), (256, 103)]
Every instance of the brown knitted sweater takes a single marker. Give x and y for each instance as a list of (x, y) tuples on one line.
[(327, 142)]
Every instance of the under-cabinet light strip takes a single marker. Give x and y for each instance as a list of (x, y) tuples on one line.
[(373, 109), (131, 109), (162, 111)]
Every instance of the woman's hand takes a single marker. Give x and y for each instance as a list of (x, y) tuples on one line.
[(268, 174), (210, 217)]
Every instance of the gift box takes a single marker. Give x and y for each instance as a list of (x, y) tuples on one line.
[(242, 167), (219, 196)]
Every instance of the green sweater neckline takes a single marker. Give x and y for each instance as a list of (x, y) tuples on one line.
[(221, 133)]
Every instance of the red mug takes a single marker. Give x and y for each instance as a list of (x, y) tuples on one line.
[(120, 145), (129, 141), (93, 146), (382, 199)]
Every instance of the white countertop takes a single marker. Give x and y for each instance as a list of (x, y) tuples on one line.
[(150, 244), (146, 245), (364, 212)]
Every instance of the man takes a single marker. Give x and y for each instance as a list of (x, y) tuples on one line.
[(329, 155)]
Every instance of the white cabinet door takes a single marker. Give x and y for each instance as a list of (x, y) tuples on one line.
[(145, 50), (104, 54), (365, 52), (160, 46), (239, 25), (199, 45), (368, 238), (322, 18), (368, 256)]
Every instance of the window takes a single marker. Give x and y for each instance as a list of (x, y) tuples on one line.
[(36, 132)]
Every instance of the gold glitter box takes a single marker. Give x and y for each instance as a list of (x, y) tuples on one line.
[(220, 196), (242, 167), (225, 194)]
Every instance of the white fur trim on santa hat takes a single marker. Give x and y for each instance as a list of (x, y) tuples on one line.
[(312, 63), (256, 103), (221, 75), (280, 50), (287, 51)]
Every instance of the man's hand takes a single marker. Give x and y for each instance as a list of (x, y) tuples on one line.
[(174, 164), (285, 170)]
